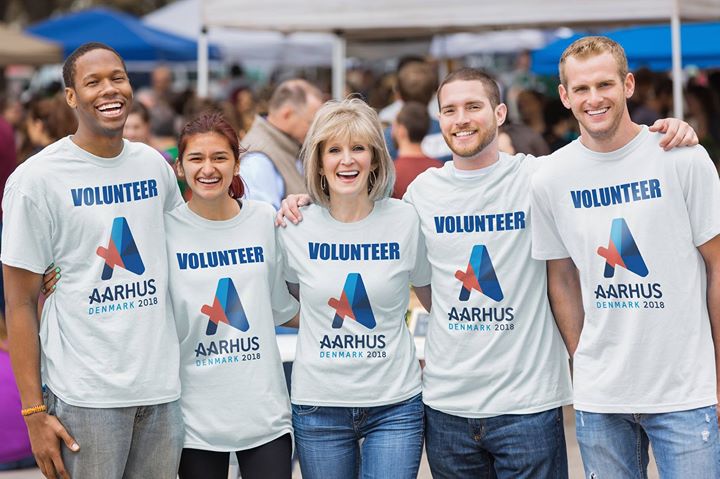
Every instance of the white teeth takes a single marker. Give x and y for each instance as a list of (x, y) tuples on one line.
[(597, 112), (464, 133), (348, 174), (109, 106), (208, 181)]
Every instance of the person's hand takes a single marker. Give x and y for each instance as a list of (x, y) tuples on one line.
[(290, 209), (677, 133), (50, 278), (46, 432)]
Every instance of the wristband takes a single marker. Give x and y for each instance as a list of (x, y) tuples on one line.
[(33, 410)]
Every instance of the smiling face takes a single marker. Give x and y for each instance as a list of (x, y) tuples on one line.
[(208, 165), (101, 94), (597, 94), (346, 166), (468, 120)]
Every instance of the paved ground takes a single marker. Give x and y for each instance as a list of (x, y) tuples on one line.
[(576, 471)]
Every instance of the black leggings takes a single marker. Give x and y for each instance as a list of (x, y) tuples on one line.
[(269, 461)]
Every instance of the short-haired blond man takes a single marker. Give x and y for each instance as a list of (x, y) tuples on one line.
[(630, 233)]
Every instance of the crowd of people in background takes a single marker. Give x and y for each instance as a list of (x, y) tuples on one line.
[(272, 125), (537, 122)]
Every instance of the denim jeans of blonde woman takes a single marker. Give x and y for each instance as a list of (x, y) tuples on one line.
[(137, 442), (364, 442)]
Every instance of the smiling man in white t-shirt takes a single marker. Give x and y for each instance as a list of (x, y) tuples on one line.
[(106, 342), (642, 318)]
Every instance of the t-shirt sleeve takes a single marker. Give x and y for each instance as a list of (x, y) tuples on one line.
[(701, 188), (546, 241), (420, 275), (284, 306), (408, 196), (173, 199), (27, 233), (289, 274)]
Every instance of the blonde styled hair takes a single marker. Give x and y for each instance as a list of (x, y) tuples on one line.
[(347, 120), (591, 46)]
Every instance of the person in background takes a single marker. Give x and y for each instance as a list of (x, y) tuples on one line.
[(640, 105), (137, 126), (46, 121), (561, 125), (417, 81), (270, 166), (531, 104), (704, 115), (525, 139), (242, 101), (408, 131), (388, 113)]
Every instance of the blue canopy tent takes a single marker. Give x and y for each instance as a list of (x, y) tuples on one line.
[(647, 46), (134, 40)]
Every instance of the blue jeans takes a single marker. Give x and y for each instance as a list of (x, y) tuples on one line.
[(685, 444), (528, 446), (121, 443), (329, 447)]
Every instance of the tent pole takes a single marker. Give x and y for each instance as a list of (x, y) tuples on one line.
[(676, 61), (338, 66), (202, 74)]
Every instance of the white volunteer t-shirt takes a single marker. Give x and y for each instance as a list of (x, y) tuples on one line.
[(492, 346), (228, 293), (354, 348), (631, 220), (107, 333)]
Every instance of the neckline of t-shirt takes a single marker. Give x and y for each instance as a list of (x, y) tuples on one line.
[(98, 160), (473, 175), (215, 224), (621, 152), (340, 225)]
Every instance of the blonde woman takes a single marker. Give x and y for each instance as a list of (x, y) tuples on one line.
[(355, 376)]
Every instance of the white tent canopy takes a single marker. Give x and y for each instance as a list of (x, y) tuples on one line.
[(372, 19), (257, 49), (376, 19)]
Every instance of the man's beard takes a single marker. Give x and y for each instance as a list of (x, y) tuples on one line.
[(488, 137)]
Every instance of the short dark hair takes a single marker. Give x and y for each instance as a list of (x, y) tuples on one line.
[(69, 65), (415, 118), (473, 74), (417, 81)]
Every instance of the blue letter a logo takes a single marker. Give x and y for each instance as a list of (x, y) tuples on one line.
[(121, 251), (226, 308), (353, 303), (480, 275), (622, 251)]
